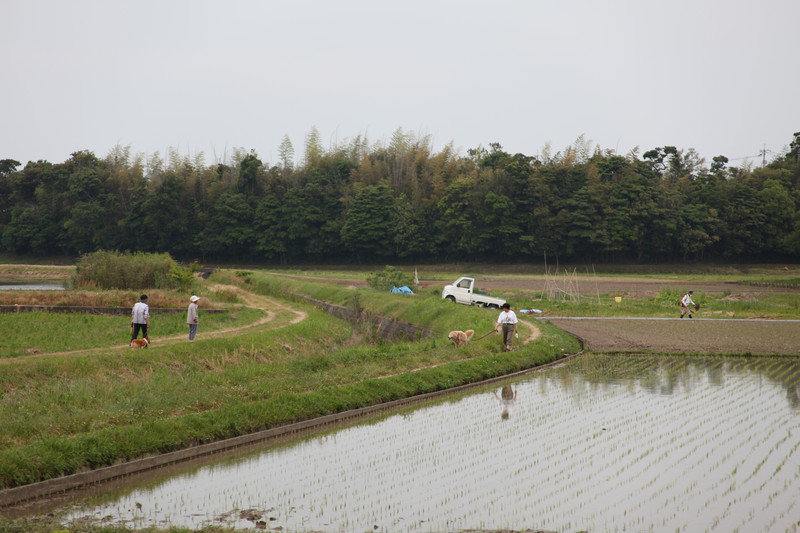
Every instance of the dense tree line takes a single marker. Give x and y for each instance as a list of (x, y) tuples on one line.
[(404, 202)]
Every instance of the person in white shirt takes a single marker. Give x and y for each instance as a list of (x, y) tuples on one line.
[(508, 321), (140, 318), (687, 304), (192, 318)]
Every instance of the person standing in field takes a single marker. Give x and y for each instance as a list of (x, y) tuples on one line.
[(140, 319), (687, 304), (192, 318), (508, 321)]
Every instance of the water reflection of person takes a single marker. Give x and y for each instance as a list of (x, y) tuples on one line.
[(506, 401)]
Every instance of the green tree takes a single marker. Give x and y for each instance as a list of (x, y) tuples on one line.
[(166, 218), (323, 191), (248, 174), (32, 230), (457, 219), (502, 235), (7, 166), (302, 220), (367, 229), (271, 228), (409, 228), (286, 154), (83, 226), (230, 230), (314, 151)]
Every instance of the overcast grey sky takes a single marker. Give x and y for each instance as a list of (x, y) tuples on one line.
[(719, 76)]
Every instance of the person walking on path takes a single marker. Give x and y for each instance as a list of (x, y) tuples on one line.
[(687, 304), (508, 321), (140, 319), (192, 318)]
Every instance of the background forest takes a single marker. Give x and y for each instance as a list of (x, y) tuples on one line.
[(404, 202)]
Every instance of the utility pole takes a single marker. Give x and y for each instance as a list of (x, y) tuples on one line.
[(763, 154)]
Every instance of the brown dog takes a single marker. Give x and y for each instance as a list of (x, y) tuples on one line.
[(139, 343), (460, 338)]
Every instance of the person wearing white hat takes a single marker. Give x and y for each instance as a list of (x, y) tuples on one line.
[(192, 318)]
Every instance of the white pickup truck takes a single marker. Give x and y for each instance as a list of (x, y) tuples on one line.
[(462, 291)]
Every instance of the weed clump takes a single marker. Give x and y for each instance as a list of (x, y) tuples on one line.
[(125, 270), (384, 280)]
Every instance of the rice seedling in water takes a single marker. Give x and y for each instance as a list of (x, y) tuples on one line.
[(661, 448)]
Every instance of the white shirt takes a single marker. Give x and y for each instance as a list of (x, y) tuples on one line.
[(507, 317), (687, 300), (191, 314), (140, 313)]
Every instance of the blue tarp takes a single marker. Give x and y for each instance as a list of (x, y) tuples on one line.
[(402, 290)]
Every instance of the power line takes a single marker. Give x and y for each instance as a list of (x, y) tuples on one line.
[(761, 153)]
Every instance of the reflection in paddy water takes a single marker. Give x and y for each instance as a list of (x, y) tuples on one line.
[(601, 443)]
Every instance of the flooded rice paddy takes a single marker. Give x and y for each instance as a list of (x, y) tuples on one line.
[(601, 443)]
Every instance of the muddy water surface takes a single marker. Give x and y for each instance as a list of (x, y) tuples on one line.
[(634, 443)]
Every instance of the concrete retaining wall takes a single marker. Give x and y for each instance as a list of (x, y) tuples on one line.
[(387, 328)]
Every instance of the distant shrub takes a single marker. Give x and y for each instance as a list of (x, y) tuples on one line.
[(125, 270), (182, 276), (245, 275), (384, 280)]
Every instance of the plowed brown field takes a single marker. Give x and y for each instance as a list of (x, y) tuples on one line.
[(686, 336)]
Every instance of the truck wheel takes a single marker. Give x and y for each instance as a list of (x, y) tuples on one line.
[(451, 298)]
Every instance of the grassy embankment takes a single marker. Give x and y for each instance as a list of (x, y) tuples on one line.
[(61, 414)]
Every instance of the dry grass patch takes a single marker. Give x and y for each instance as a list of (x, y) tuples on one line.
[(37, 272), (112, 298)]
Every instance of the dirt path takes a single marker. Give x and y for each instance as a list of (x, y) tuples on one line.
[(535, 331), (250, 299)]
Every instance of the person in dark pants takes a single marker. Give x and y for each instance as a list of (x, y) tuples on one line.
[(508, 321), (140, 318)]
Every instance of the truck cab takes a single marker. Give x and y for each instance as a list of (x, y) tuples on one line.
[(463, 291)]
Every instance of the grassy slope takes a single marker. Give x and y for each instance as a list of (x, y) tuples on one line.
[(60, 415)]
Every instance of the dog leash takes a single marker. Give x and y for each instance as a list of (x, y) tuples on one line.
[(479, 338)]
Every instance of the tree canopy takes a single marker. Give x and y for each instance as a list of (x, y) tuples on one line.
[(404, 201)]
